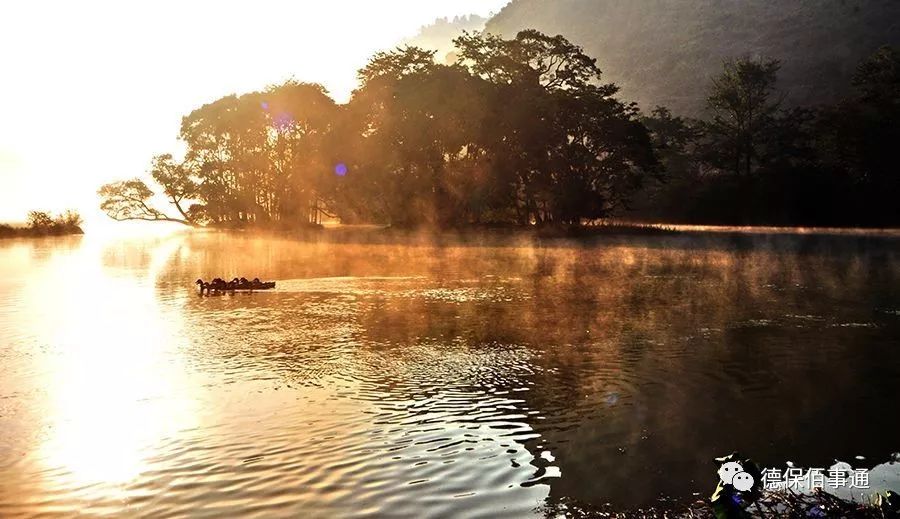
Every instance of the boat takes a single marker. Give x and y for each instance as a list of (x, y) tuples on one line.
[(235, 285)]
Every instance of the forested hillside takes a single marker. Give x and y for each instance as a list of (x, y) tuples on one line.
[(525, 129), (439, 35), (663, 52)]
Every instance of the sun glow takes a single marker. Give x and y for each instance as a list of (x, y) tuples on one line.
[(111, 394), (132, 70)]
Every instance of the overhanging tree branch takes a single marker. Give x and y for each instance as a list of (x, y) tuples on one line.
[(129, 200)]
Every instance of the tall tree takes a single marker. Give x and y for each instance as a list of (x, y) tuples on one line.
[(576, 152), (742, 103), (418, 127), (178, 182), (259, 157)]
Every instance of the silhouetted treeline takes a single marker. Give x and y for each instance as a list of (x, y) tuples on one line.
[(517, 131), (253, 158), (524, 131), (754, 161), (41, 223)]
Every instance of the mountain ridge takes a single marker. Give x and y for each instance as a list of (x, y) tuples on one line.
[(664, 52)]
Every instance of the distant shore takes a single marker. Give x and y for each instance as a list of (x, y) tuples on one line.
[(611, 228), (469, 230), (42, 223), (10, 231)]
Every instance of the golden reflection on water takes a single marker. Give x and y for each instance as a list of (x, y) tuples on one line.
[(106, 370), (427, 377)]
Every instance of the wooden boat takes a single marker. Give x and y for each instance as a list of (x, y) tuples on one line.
[(235, 285)]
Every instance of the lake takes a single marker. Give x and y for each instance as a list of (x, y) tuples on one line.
[(406, 376)]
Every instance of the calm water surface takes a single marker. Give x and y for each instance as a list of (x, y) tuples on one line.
[(434, 379)]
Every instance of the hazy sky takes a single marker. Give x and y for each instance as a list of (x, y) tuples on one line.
[(90, 90)]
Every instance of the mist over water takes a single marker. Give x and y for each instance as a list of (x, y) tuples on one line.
[(410, 376)]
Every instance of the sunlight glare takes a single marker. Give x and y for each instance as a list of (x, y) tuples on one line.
[(109, 385)]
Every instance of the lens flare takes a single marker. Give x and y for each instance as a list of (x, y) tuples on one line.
[(284, 121)]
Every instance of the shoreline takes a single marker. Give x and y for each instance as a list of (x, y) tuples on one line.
[(8, 231), (506, 235)]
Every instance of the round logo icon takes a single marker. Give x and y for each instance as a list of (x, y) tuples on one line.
[(728, 470), (742, 481)]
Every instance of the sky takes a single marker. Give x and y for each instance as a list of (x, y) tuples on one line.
[(91, 90)]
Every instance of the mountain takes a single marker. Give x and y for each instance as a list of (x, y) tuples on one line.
[(664, 52), (439, 35)]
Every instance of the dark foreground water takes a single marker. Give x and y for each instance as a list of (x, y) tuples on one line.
[(416, 379)]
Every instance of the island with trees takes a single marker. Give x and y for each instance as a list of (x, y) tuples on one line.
[(524, 131), (41, 223)]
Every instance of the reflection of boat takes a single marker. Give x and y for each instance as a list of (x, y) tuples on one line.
[(220, 285)]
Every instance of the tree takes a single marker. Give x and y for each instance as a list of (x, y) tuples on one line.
[(42, 223), (675, 140), (857, 140), (396, 64), (832, 165), (298, 156), (68, 220), (519, 130), (225, 140), (39, 220), (742, 106), (177, 181), (130, 200), (877, 78), (259, 157), (597, 160), (417, 130), (570, 150)]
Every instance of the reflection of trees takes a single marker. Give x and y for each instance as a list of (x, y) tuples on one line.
[(635, 365)]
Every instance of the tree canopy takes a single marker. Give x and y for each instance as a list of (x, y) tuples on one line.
[(758, 162), (524, 131), (517, 131), (742, 104)]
